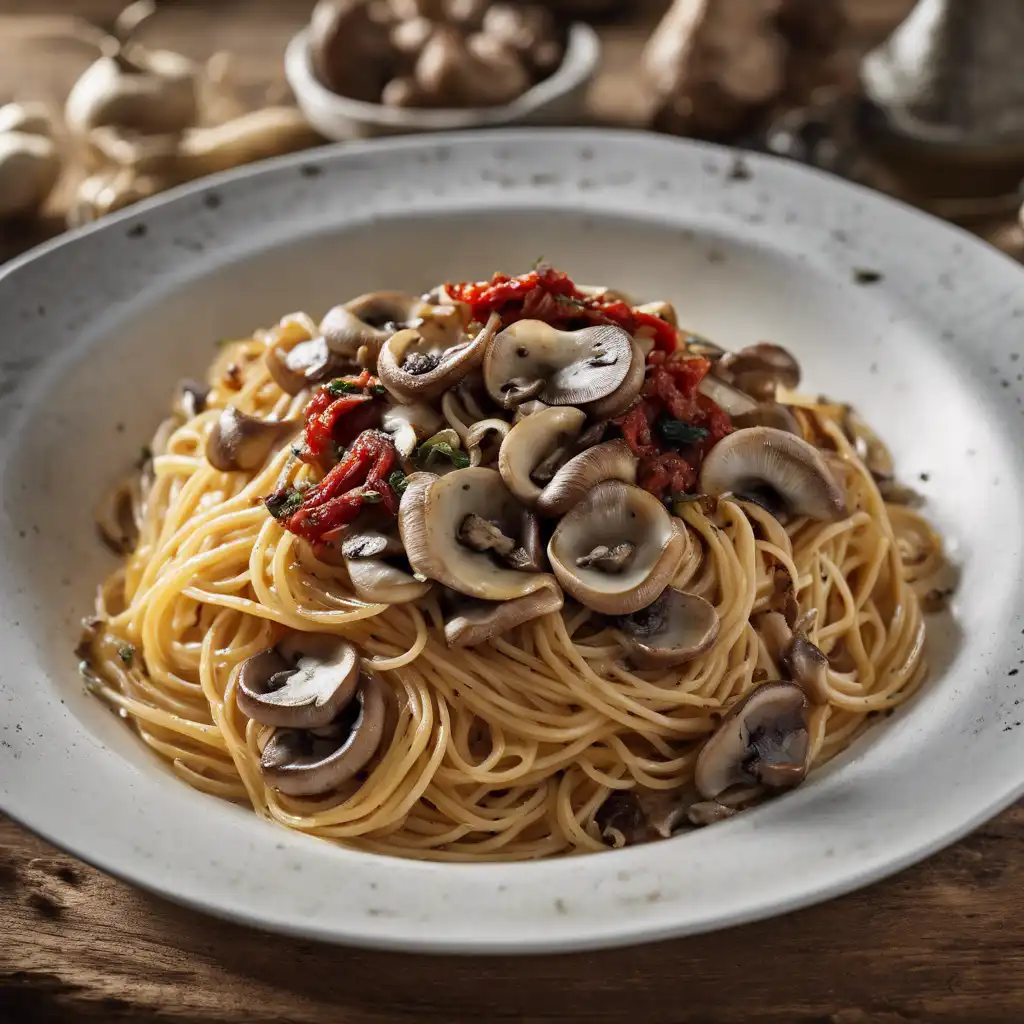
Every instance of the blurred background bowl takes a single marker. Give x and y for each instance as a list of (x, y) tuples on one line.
[(558, 99)]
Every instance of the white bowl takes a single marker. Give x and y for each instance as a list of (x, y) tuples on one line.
[(556, 100), (96, 328)]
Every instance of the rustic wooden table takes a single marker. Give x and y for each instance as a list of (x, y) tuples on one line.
[(940, 942)]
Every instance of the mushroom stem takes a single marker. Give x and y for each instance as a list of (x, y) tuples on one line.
[(480, 535), (520, 390), (610, 560)]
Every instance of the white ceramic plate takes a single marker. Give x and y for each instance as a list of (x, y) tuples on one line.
[(96, 329)]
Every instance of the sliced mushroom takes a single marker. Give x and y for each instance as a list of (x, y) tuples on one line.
[(615, 513), (528, 409), (769, 414), (632, 816), (414, 368), (302, 762), (779, 471), (479, 621), (441, 326), (191, 398), (409, 425), (539, 465), (708, 812), (242, 442), (763, 739), (435, 518), (673, 630), (484, 440), (302, 683), (626, 393), (760, 370), (807, 666), (365, 552), (532, 360)]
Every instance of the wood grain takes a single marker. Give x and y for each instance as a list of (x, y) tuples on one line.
[(941, 942), (938, 943)]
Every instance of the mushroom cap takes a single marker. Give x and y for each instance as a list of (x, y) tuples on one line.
[(763, 739), (453, 362), (408, 425), (440, 325), (769, 414), (573, 367), (807, 666), (301, 763), (242, 442), (765, 463), (365, 552), (302, 683), (729, 399), (478, 621), (759, 370), (530, 441), (625, 394), (484, 440), (612, 460), (429, 517), (614, 513), (675, 629)]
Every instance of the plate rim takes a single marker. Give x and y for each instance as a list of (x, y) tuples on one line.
[(357, 932)]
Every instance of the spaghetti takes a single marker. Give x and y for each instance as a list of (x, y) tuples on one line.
[(548, 737)]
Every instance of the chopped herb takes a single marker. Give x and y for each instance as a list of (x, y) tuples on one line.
[(224, 342), (343, 387), (568, 300), (126, 652), (537, 263), (298, 451), (372, 497), (399, 481), (678, 432), (283, 504), (428, 454), (379, 389)]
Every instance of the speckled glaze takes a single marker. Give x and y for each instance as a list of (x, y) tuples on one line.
[(916, 322)]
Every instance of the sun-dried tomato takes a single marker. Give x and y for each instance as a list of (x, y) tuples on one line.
[(360, 478), (550, 295)]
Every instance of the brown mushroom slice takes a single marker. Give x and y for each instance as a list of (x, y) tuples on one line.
[(763, 739), (304, 762), (612, 460), (409, 425), (532, 360), (365, 553), (769, 414), (478, 621), (440, 325), (484, 440), (760, 370), (538, 439), (777, 470), (415, 369), (708, 812), (626, 393), (640, 815), (615, 514), (673, 630), (242, 442), (302, 683), (435, 519), (807, 666)]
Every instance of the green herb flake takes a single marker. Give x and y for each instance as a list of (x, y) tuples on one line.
[(399, 481), (537, 263), (379, 389), (283, 504), (428, 454), (126, 652), (678, 432), (340, 387)]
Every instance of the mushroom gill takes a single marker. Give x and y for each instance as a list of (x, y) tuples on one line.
[(762, 740), (674, 629), (775, 469)]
